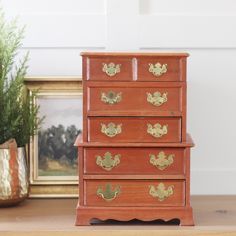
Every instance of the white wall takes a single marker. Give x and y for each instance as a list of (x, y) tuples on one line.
[(58, 30)]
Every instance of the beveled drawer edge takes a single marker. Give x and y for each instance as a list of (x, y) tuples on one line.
[(134, 177)]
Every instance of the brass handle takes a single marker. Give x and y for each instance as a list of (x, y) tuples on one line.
[(111, 69), (161, 192), (107, 162), (111, 97), (157, 130), (108, 194), (161, 161), (157, 69), (157, 99), (111, 130)]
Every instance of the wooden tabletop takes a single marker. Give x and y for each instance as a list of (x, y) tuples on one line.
[(214, 215)]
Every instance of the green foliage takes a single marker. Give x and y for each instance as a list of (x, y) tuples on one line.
[(56, 143), (18, 112)]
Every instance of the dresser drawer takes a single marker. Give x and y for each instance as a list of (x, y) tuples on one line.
[(156, 161), (134, 193), (161, 68), (134, 67), (110, 68), (152, 97), (134, 129)]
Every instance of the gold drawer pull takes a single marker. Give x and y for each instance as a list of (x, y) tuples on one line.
[(157, 69), (111, 97), (157, 130), (111, 130), (108, 194), (161, 161), (161, 192), (107, 162), (156, 98), (111, 69)]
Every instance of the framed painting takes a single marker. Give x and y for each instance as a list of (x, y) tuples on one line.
[(52, 154)]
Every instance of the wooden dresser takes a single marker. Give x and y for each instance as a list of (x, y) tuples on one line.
[(134, 156)]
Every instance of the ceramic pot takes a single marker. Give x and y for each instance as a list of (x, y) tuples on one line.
[(14, 184)]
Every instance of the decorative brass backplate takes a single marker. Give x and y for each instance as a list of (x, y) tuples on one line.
[(157, 99), (157, 130), (111, 130), (111, 97), (111, 69), (107, 162), (157, 69), (161, 161), (161, 192), (108, 194)]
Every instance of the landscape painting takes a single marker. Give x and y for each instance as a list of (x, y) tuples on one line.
[(57, 156)]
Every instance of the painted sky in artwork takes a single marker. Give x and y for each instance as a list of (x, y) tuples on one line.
[(65, 111)]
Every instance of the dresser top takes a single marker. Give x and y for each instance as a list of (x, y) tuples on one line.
[(127, 54)]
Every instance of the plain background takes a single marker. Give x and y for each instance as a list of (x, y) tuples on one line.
[(58, 30)]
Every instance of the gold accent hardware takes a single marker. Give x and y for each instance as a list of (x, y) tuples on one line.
[(157, 130), (111, 69), (108, 162), (161, 161), (108, 194), (156, 98), (161, 192), (111, 97), (111, 130), (157, 69)]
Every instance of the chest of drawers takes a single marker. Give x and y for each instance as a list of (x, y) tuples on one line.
[(134, 154)]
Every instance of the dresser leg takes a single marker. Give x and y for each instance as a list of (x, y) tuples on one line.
[(187, 221), (82, 221)]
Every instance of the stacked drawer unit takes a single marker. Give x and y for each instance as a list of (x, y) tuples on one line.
[(134, 156)]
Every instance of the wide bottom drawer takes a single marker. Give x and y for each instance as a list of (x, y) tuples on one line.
[(134, 192)]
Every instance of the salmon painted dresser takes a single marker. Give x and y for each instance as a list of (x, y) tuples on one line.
[(134, 154)]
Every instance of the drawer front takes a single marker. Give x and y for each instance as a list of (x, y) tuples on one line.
[(134, 193), (110, 69), (151, 99), (160, 69), (141, 129), (158, 161)]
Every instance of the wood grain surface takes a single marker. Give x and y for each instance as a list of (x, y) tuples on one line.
[(134, 129), (134, 67), (134, 193), (174, 68), (128, 54), (121, 94), (134, 97), (95, 67), (213, 215), (80, 143), (134, 161)]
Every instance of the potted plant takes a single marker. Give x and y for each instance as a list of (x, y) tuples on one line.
[(18, 115)]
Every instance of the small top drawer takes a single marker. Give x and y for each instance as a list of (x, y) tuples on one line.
[(134, 66), (160, 69), (109, 68)]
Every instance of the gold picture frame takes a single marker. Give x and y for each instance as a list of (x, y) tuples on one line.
[(52, 89)]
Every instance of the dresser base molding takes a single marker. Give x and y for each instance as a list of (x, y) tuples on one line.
[(86, 214)]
